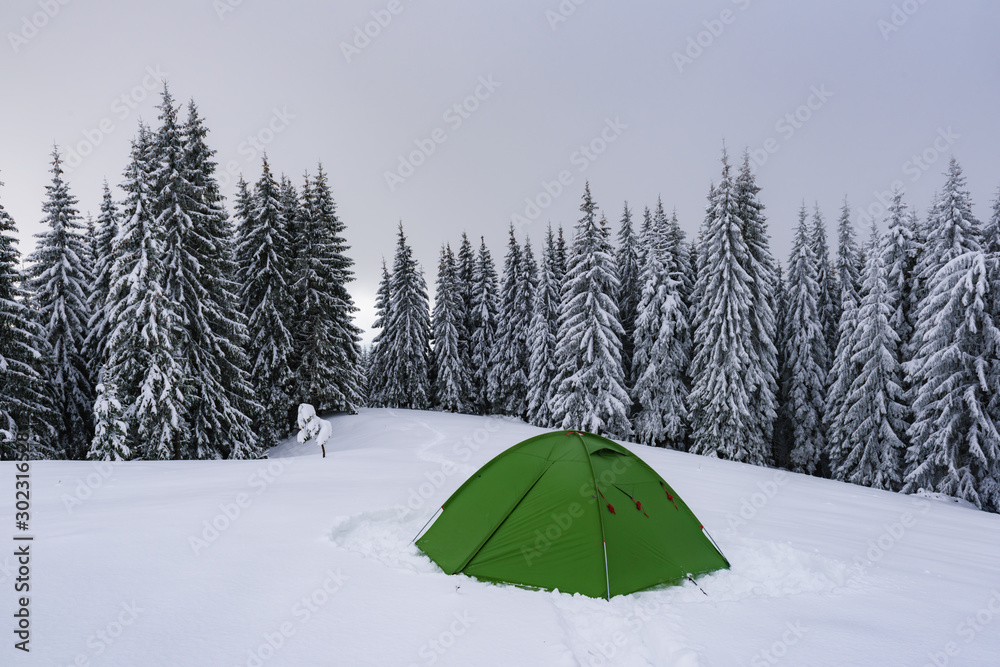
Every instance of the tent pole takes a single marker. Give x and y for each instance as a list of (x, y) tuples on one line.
[(425, 525), (607, 579)]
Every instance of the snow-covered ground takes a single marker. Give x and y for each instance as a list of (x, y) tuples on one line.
[(305, 561)]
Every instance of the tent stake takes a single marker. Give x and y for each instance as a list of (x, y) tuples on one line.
[(425, 525)]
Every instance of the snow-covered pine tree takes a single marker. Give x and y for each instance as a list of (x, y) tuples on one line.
[(629, 288), (783, 437), (662, 339), (220, 403), (842, 375), (761, 267), (902, 256), (725, 377), (591, 392), (104, 240), (59, 284), (25, 412), (955, 447), (141, 370), (484, 327), (263, 261), (874, 409), (451, 381), (378, 361), (542, 338), (327, 342), (562, 256), (110, 441), (465, 270), (848, 257), (806, 352), (828, 297), (509, 363), (407, 333)]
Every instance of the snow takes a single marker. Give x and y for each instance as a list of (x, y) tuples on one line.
[(314, 557)]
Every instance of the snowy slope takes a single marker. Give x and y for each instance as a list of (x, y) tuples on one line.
[(313, 566)]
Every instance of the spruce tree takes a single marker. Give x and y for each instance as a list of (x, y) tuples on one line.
[(263, 263), (542, 338), (327, 342), (25, 414), (378, 362), (874, 409), (59, 284), (761, 267), (407, 334), (955, 447), (827, 299), (591, 393), (848, 257), (806, 352), (842, 376), (451, 381), (783, 437), (629, 287), (507, 388), (725, 376), (107, 230), (465, 269), (484, 327), (661, 341), (141, 373)]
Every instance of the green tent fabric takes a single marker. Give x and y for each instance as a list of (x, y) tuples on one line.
[(573, 511)]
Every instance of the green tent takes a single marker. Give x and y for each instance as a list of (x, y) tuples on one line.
[(572, 511)]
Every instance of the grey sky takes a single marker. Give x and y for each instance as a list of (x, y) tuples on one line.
[(277, 71)]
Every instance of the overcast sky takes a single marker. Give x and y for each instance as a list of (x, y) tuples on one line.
[(833, 98)]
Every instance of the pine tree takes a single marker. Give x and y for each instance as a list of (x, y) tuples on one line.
[(484, 326), (591, 392), (874, 409), (726, 375), (107, 230), (327, 342), (263, 261), (407, 333), (842, 376), (378, 362), (848, 257), (451, 382), (629, 288), (141, 371), (465, 269), (59, 285), (542, 339), (761, 267), (955, 446), (783, 437), (222, 406), (806, 352), (827, 301), (25, 414), (662, 347), (509, 363)]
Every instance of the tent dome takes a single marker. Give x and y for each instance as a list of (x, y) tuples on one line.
[(573, 511)]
